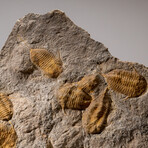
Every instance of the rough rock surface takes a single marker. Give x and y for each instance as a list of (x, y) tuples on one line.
[(38, 119)]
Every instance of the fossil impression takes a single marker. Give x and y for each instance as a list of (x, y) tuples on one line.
[(76, 95), (8, 136), (72, 97), (94, 117), (47, 62), (6, 107), (88, 83), (130, 83)]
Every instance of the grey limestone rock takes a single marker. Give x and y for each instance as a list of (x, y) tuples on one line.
[(38, 118)]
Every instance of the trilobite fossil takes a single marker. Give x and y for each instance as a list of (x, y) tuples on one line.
[(47, 62), (88, 83), (95, 116), (8, 136), (130, 83), (71, 97), (6, 107)]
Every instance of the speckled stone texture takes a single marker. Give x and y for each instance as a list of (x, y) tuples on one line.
[(38, 118)]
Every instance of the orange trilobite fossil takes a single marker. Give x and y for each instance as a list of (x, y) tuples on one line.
[(89, 83), (71, 97), (6, 107), (8, 136), (47, 62), (95, 116), (129, 83)]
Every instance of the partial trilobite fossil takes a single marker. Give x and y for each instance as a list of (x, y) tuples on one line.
[(47, 62), (8, 136), (71, 97), (95, 116), (130, 83), (89, 83), (6, 107)]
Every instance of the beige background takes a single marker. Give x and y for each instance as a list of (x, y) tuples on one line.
[(122, 25)]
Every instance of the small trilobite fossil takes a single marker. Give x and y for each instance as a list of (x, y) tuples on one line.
[(95, 116), (6, 107), (8, 136), (88, 83), (71, 97), (130, 83), (47, 62)]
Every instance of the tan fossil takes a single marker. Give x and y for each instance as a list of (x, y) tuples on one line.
[(130, 83), (89, 82), (6, 107), (71, 97), (8, 136), (47, 62), (95, 116)]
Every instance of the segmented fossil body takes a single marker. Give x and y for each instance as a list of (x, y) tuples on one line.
[(47, 62), (72, 97), (8, 136), (6, 107), (126, 82), (88, 83), (94, 117)]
